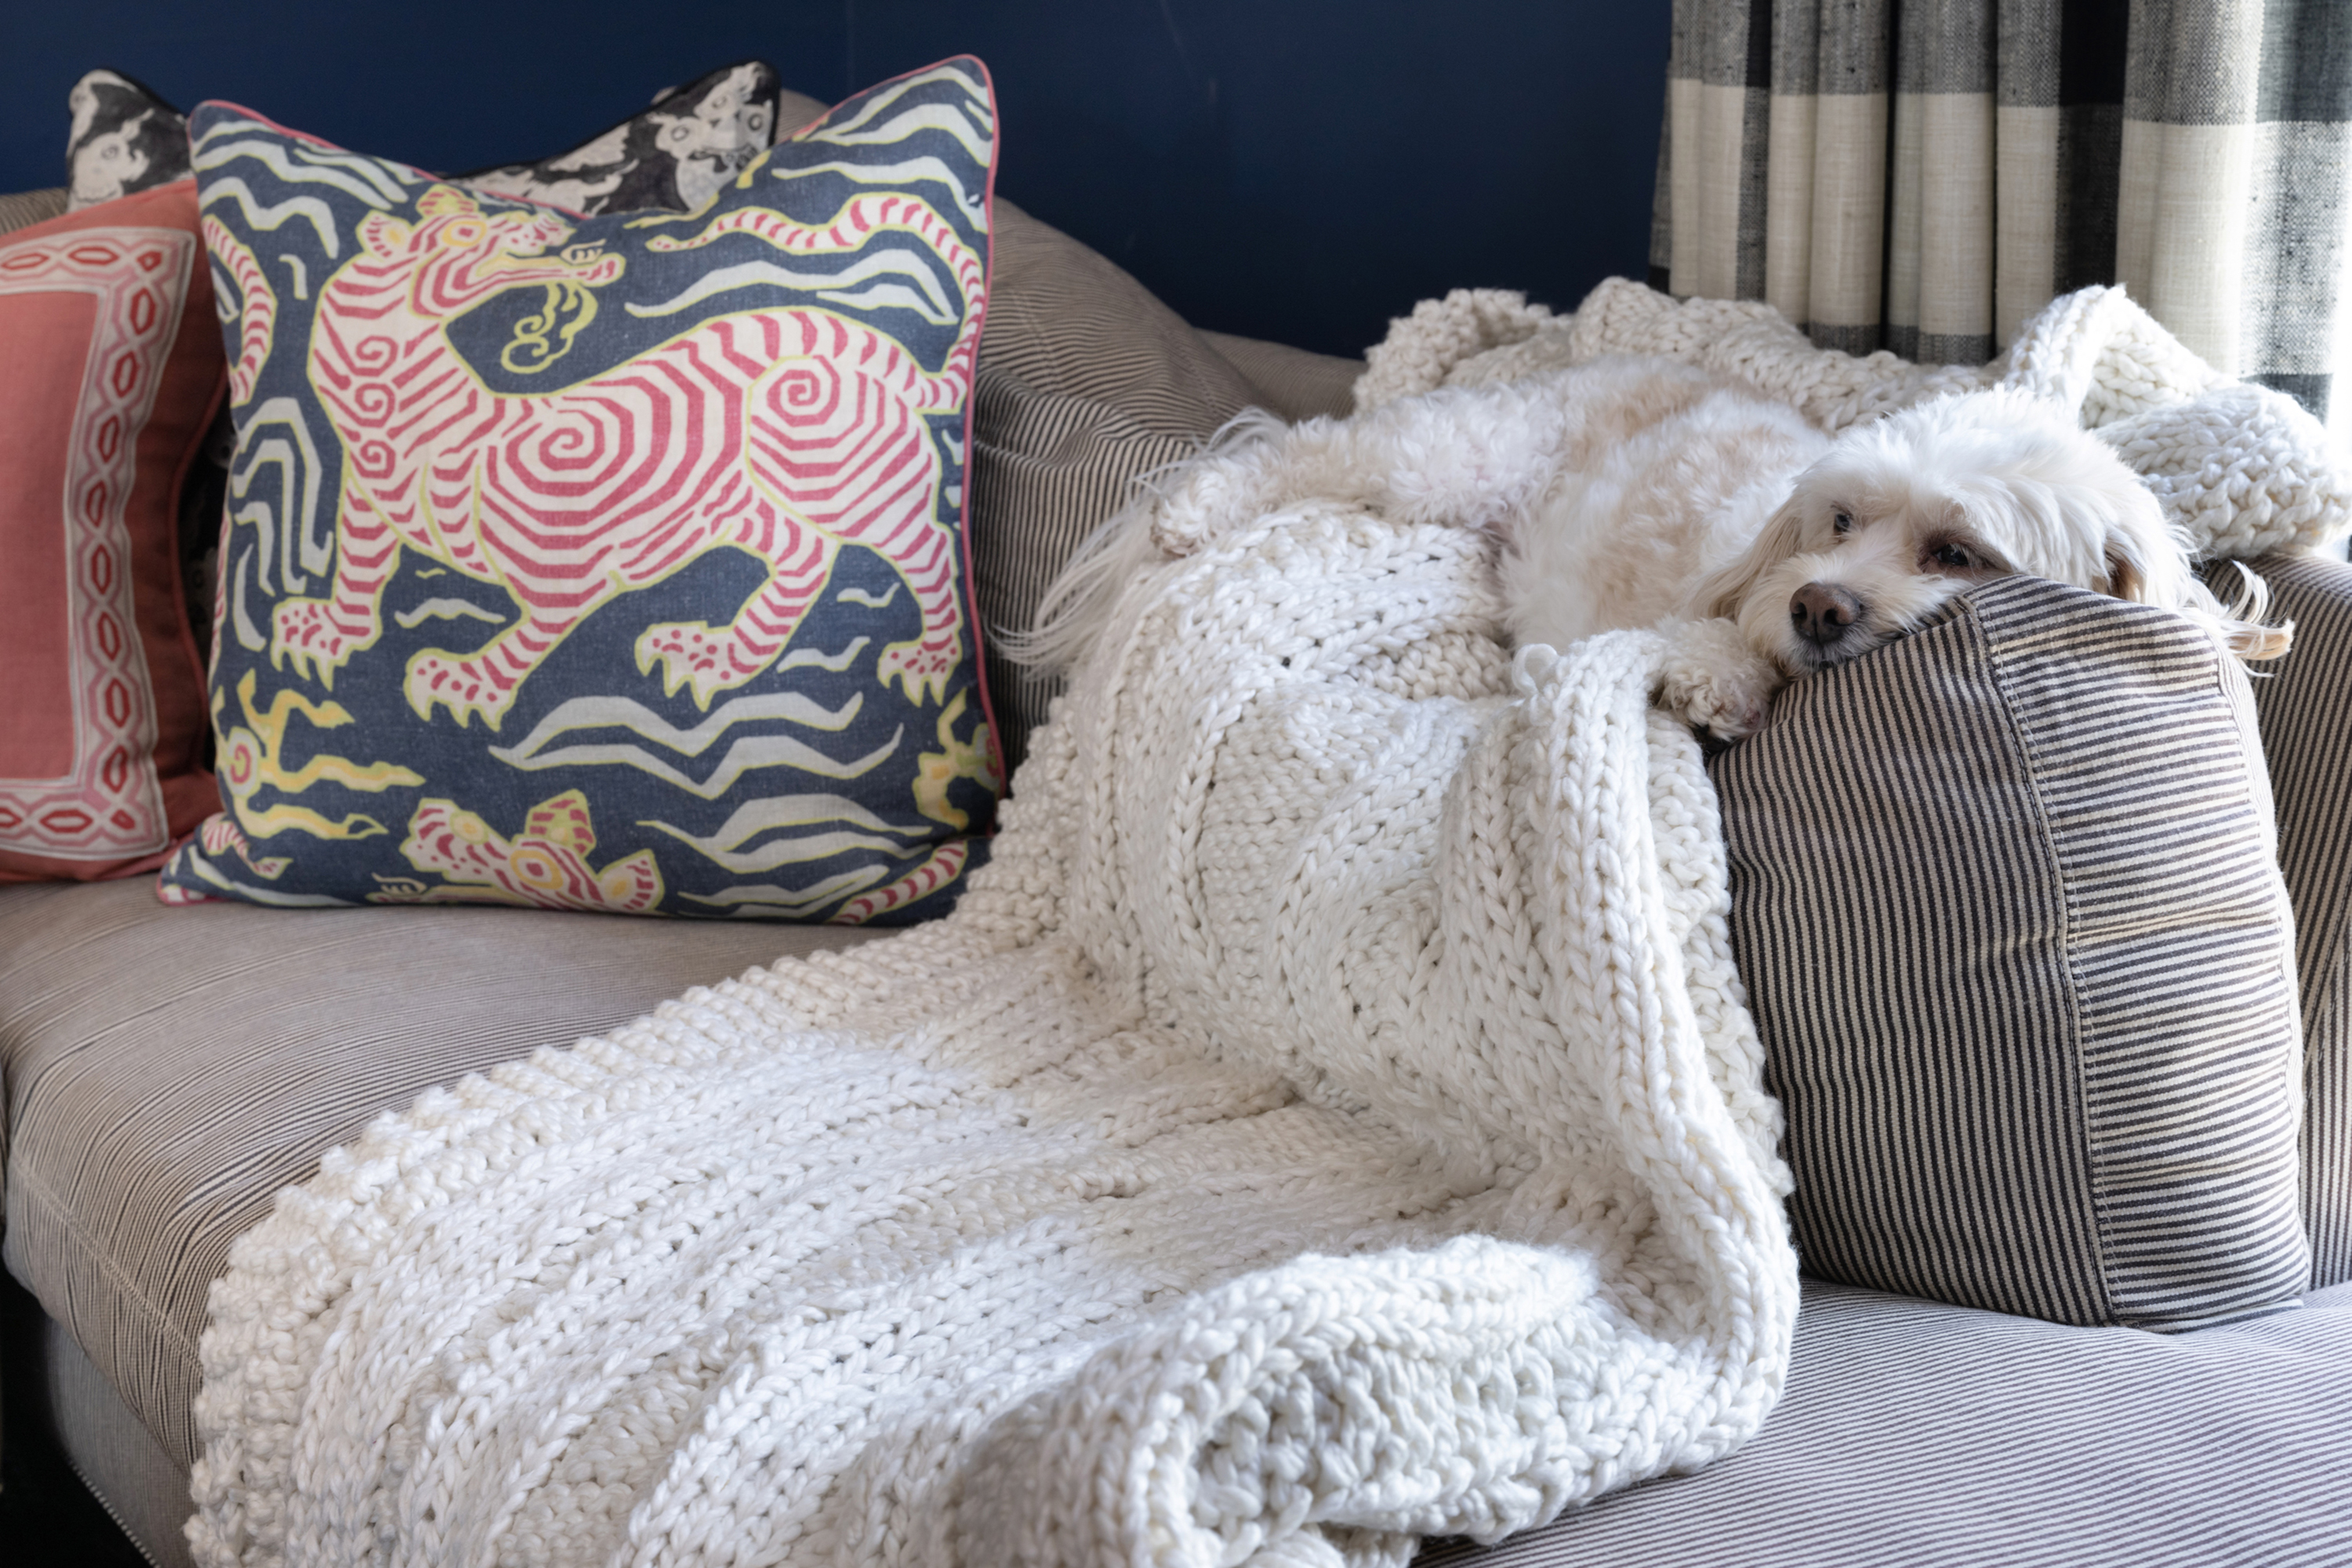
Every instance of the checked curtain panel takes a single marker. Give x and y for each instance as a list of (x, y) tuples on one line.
[(1922, 175)]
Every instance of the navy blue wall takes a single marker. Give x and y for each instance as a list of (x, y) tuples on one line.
[(1291, 169)]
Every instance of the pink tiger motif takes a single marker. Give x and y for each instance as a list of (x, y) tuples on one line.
[(788, 432)]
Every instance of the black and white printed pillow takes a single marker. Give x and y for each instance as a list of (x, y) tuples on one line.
[(2006, 903), (126, 138), (673, 155)]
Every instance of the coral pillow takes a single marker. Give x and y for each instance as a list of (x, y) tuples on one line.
[(607, 562), (113, 367)]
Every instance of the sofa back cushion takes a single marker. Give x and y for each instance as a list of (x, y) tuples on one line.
[(1086, 383), (2006, 904), (21, 209)]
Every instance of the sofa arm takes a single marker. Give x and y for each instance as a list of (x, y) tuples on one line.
[(2304, 705)]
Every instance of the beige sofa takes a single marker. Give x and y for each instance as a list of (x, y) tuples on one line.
[(168, 1070)]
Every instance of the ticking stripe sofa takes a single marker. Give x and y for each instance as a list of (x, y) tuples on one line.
[(168, 1070)]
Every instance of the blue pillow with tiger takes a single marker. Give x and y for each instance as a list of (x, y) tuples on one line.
[(610, 563)]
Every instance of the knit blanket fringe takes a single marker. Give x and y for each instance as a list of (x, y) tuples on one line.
[(2242, 469), (1331, 1118)]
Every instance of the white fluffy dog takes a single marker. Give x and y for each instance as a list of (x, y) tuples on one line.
[(1643, 492)]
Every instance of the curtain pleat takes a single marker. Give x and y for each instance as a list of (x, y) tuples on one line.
[(1925, 175), (1849, 206), (2025, 121), (2187, 180)]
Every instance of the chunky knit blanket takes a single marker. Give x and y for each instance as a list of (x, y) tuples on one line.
[(1330, 1118), (2243, 469)]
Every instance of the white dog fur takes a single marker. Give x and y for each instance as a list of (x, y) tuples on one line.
[(1644, 492)]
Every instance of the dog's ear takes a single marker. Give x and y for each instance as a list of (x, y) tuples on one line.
[(2125, 579), (2239, 623), (1721, 593), (2147, 563)]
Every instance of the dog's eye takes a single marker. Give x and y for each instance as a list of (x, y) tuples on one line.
[(1843, 521), (1954, 556)]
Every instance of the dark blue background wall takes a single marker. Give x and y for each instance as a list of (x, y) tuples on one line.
[(1292, 169)]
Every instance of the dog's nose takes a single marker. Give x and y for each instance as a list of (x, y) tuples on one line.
[(1821, 613)]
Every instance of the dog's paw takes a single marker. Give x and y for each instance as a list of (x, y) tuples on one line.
[(1712, 680)]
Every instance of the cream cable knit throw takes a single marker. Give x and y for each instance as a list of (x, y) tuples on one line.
[(1331, 1118), (2243, 469)]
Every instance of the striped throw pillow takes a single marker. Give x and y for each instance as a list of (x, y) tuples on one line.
[(2305, 712), (2007, 905)]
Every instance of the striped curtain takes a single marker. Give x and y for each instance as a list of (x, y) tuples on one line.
[(1923, 174)]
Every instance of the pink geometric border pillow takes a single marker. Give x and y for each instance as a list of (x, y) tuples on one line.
[(113, 367)]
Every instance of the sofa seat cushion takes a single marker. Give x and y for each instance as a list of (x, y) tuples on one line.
[(1911, 1432), (168, 1070), (1945, 1436)]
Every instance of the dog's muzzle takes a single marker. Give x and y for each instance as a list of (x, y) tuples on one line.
[(1827, 620)]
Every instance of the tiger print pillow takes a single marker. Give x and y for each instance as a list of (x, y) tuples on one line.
[(602, 563)]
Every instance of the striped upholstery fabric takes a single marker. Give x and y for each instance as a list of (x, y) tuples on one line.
[(1291, 382), (23, 209), (1087, 382), (108, 1446), (2005, 901), (169, 1069), (1911, 1433), (1921, 176), (1936, 1436), (2305, 712)]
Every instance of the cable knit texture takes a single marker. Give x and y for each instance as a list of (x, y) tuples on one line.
[(2243, 469), (1331, 1118)]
